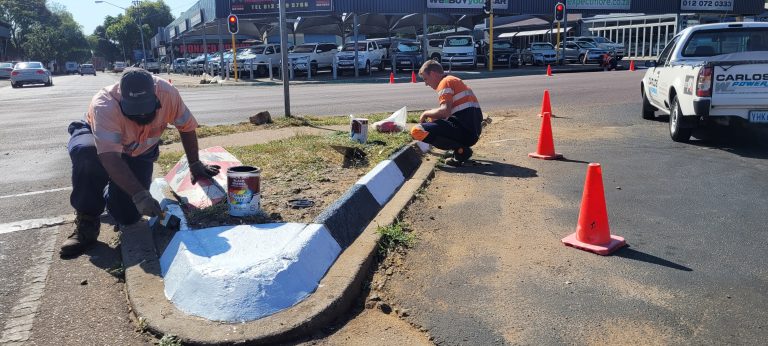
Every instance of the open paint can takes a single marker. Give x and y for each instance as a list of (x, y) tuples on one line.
[(244, 190), (359, 130)]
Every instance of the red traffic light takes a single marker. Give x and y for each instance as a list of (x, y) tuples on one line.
[(232, 19), (559, 7)]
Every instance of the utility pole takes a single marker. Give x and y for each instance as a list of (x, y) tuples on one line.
[(284, 55)]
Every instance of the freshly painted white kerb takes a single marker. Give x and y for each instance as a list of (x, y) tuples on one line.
[(383, 180), (243, 273)]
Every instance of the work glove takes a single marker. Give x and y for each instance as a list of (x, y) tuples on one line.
[(200, 170), (146, 205)]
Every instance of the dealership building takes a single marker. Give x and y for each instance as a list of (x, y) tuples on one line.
[(643, 26)]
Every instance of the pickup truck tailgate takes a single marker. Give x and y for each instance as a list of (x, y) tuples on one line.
[(741, 84)]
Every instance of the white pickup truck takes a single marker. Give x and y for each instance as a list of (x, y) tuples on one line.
[(710, 74), (368, 54)]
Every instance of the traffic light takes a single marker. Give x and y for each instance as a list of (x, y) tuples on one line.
[(232, 24), (487, 7), (559, 12)]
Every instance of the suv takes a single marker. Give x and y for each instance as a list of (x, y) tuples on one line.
[(312, 55), (260, 56), (459, 51), (504, 53), (87, 69), (151, 65), (604, 43), (368, 54), (71, 67), (408, 55)]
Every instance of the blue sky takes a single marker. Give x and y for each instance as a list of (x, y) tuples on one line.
[(90, 15)]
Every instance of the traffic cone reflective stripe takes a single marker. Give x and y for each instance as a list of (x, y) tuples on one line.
[(391, 78), (549, 70), (546, 147), (631, 65), (592, 230), (546, 106), (413, 76)]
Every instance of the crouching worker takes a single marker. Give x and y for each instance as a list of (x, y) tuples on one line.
[(113, 150), (457, 123)]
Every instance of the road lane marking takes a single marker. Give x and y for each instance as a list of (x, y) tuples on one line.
[(37, 192), (34, 223), (18, 327)]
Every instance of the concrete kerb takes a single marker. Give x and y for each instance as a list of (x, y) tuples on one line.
[(336, 292)]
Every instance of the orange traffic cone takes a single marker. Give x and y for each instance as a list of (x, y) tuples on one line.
[(631, 65), (546, 148), (413, 76), (391, 78), (549, 70), (592, 231), (546, 107), (170, 81)]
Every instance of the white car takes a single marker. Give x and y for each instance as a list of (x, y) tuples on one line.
[(368, 54), (710, 74), (5, 69), (312, 55), (459, 51), (435, 50), (32, 72), (604, 43), (259, 56)]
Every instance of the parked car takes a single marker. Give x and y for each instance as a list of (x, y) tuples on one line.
[(5, 69), (368, 54), (71, 67), (87, 69), (260, 56), (435, 50), (459, 51), (32, 72), (119, 66), (504, 53), (583, 52), (604, 43), (313, 55), (151, 65), (179, 65), (539, 53), (408, 55)]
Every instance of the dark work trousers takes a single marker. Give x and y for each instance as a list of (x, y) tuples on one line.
[(452, 133), (91, 187)]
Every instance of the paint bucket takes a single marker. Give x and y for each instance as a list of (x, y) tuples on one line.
[(359, 130), (243, 190)]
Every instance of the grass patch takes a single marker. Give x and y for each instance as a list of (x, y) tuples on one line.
[(172, 136), (395, 236), (169, 340)]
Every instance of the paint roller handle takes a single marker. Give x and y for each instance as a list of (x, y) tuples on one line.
[(200, 170)]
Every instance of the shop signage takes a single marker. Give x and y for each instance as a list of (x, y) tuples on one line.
[(183, 26), (599, 4), (241, 7), (706, 5), (196, 19), (478, 4)]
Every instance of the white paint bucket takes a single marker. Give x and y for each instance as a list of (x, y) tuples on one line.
[(244, 190), (359, 130)]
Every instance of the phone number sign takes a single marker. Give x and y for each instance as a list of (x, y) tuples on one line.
[(706, 5), (273, 6)]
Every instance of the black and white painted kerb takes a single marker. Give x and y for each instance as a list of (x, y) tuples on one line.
[(349, 215)]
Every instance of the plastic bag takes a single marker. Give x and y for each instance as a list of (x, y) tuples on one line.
[(394, 123)]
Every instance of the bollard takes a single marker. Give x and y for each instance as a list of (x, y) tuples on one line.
[(335, 71), (450, 64), (309, 71), (290, 68), (250, 64), (270, 69)]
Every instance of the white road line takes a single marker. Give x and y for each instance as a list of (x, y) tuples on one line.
[(18, 327), (37, 192), (34, 223)]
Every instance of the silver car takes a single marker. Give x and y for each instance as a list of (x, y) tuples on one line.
[(87, 69), (5, 69), (31, 72)]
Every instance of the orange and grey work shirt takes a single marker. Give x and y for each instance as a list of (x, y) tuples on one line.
[(465, 107), (117, 134)]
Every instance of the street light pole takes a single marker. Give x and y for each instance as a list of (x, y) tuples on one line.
[(141, 32)]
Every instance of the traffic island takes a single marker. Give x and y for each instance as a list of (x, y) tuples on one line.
[(192, 281)]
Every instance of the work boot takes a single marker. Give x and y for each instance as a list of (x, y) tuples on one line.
[(85, 234), (460, 156)]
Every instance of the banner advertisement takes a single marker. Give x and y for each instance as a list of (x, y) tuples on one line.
[(599, 4), (706, 5), (244, 7), (463, 4)]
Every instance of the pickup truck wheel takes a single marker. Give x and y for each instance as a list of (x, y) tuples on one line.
[(436, 57), (368, 70), (261, 70), (649, 111), (380, 67), (582, 59), (677, 133), (313, 66)]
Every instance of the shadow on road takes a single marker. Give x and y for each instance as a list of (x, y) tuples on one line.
[(491, 168), (636, 255), (743, 142)]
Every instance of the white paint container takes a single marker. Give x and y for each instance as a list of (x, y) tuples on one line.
[(244, 190), (359, 130)]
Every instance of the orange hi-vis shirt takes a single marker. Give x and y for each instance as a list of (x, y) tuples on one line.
[(454, 89), (115, 133)]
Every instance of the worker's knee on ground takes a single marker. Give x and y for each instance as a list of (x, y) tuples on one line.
[(418, 133)]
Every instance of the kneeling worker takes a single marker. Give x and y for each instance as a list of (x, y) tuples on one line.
[(113, 150), (457, 123)]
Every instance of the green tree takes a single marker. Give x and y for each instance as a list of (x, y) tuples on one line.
[(57, 37), (23, 16), (148, 15)]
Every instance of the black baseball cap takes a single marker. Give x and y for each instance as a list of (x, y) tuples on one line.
[(137, 88)]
